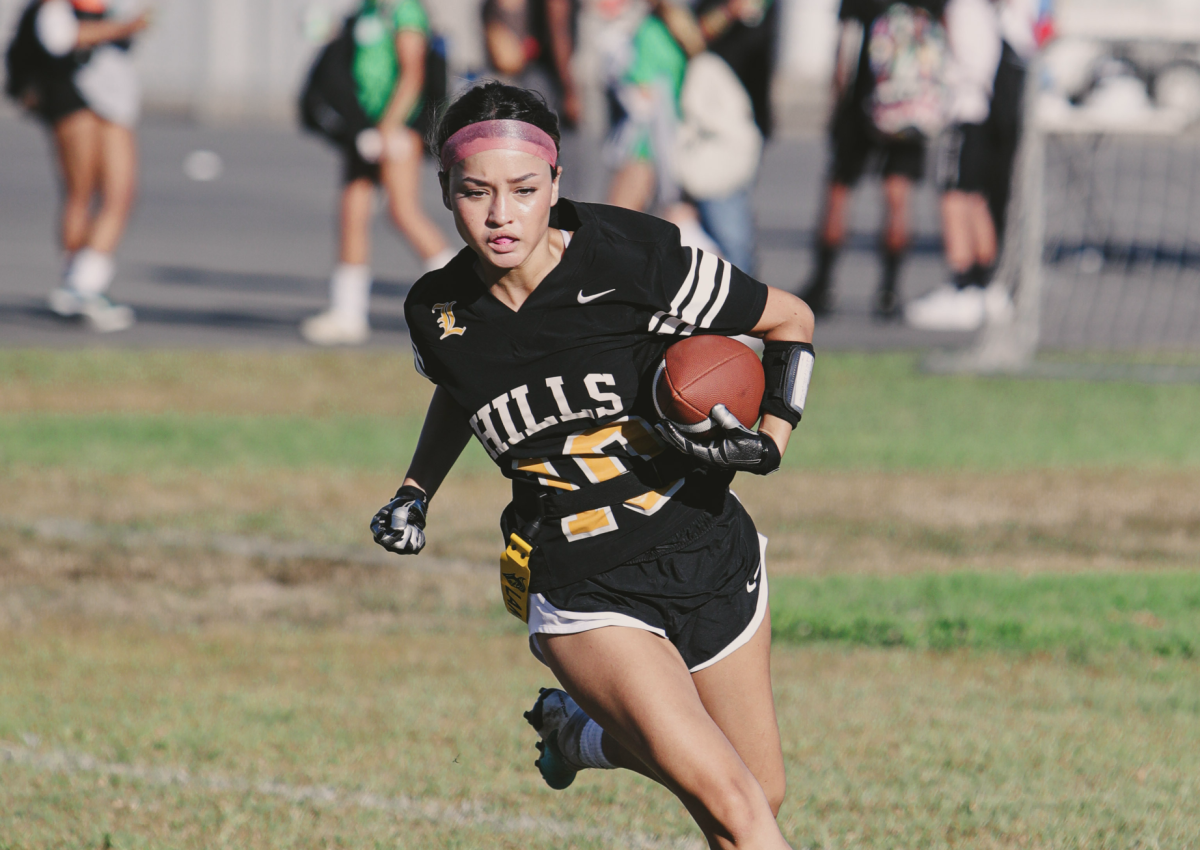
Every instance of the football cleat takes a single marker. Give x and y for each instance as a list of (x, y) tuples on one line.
[(557, 719)]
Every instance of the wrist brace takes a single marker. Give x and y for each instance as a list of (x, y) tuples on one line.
[(788, 367)]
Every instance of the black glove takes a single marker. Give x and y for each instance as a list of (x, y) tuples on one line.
[(400, 524), (736, 448)]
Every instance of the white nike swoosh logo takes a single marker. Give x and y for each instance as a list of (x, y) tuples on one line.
[(584, 299), (753, 583)]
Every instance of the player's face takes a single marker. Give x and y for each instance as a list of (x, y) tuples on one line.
[(501, 201)]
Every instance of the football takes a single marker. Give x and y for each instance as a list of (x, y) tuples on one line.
[(702, 371)]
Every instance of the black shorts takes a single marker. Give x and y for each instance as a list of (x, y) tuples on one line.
[(354, 167), (855, 144), (56, 99), (705, 591), (964, 158)]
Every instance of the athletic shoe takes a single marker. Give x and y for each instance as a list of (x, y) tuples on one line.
[(106, 317), (66, 302), (947, 309), (334, 328), (557, 719), (101, 314)]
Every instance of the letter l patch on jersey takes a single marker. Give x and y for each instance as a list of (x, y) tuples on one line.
[(446, 319)]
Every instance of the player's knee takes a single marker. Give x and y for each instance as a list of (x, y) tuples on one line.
[(736, 806)]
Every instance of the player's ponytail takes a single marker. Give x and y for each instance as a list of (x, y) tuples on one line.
[(492, 101)]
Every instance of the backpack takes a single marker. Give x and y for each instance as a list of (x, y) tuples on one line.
[(25, 60), (908, 54), (329, 103), (717, 144)]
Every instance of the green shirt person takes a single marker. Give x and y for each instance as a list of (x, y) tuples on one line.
[(377, 65)]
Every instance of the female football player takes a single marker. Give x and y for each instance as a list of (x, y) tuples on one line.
[(70, 69), (648, 595), (390, 40)]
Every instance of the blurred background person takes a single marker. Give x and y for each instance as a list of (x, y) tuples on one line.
[(888, 102), (684, 136), (744, 34), (531, 43), (990, 42), (68, 65), (390, 40)]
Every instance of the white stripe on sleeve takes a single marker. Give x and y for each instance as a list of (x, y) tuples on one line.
[(722, 294), (706, 279), (419, 363), (688, 283)]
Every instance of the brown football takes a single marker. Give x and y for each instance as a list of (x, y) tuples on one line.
[(702, 371)]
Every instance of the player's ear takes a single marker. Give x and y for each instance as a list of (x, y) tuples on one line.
[(554, 185), (444, 179)]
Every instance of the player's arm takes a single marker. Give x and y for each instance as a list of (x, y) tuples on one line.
[(399, 526), (786, 326), (444, 435), (60, 31), (410, 54), (786, 320)]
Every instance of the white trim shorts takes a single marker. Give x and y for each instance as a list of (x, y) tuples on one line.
[(705, 591)]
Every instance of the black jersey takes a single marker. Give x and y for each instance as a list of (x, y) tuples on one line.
[(559, 392)]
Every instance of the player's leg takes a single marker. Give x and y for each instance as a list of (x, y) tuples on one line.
[(957, 232), (636, 686), (736, 692), (96, 155), (77, 142), (850, 147), (354, 222), (897, 192), (118, 180), (345, 321), (401, 174)]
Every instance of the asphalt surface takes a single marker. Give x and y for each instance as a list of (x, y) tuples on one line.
[(239, 261)]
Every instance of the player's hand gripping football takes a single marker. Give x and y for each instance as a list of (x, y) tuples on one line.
[(399, 526), (735, 447)]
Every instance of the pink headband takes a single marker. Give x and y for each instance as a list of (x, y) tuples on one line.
[(498, 135)]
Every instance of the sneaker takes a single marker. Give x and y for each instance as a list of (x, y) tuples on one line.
[(947, 309), (105, 316), (66, 302), (333, 328), (550, 717)]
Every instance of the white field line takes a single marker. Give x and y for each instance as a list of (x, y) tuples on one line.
[(470, 813)]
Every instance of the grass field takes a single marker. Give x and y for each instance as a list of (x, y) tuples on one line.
[(985, 597)]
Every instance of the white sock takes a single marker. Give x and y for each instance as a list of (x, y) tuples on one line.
[(350, 291), (440, 259), (90, 272), (591, 753)]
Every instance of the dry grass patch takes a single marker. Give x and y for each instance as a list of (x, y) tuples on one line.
[(820, 523), (884, 749)]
